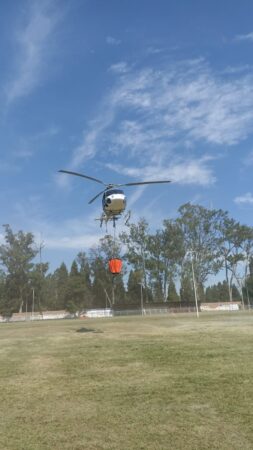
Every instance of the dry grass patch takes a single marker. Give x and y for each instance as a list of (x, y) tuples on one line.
[(151, 383)]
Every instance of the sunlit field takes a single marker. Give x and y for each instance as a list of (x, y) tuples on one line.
[(151, 383)]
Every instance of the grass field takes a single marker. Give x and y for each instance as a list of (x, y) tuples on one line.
[(136, 383)]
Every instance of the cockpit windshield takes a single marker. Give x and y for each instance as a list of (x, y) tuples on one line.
[(114, 191)]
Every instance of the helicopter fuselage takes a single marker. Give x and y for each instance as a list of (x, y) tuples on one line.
[(113, 202), (114, 199)]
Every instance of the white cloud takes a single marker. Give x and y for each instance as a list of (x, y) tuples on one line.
[(135, 196), (9, 167), (112, 41), (248, 161), (88, 148), (244, 37), (28, 146), (119, 68), (79, 233), (178, 171), (154, 50), (164, 115), (78, 243), (33, 49), (246, 199)]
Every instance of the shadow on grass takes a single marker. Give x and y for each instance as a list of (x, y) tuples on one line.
[(88, 330)]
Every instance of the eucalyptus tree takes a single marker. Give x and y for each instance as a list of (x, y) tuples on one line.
[(157, 266), (5, 307), (200, 228), (236, 248), (16, 256), (172, 295), (83, 263), (186, 288), (84, 268), (219, 292), (134, 287), (136, 241), (244, 248), (38, 289), (249, 282), (60, 283), (166, 252), (107, 289), (246, 245), (101, 282)]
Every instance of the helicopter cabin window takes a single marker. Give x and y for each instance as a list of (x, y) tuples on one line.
[(114, 191)]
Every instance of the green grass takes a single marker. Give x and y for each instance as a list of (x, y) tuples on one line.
[(151, 383)]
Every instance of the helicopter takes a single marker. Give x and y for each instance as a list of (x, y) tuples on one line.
[(114, 199)]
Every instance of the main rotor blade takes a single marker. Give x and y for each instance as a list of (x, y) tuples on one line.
[(144, 182), (83, 176), (96, 196)]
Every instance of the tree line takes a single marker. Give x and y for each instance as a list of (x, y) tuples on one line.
[(160, 266)]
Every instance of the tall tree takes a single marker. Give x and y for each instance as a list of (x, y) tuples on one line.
[(172, 292), (6, 309), (61, 287), (102, 284), (137, 253), (37, 294), (134, 287), (85, 273), (201, 237), (107, 289), (236, 247), (16, 257), (166, 252), (186, 289)]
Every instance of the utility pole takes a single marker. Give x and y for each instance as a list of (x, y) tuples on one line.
[(194, 285), (41, 246), (190, 252), (141, 285), (33, 302)]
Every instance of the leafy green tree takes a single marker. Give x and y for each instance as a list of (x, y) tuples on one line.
[(37, 284), (172, 292), (6, 308), (248, 292), (85, 274), (236, 246), (50, 293), (251, 266), (186, 289), (84, 268), (61, 287), (236, 294), (172, 251), (134, 287), (74, 291), (217, 292), (156, 265), (102, 284), (16, 257), (201, 237), (78, 293), (137, 253), (107, 289)]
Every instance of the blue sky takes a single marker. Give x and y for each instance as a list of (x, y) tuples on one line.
[(123, 91)]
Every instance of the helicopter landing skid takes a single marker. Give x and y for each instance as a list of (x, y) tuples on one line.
[(105, 219)]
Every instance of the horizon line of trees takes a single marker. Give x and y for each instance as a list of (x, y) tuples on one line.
[(207, 241)]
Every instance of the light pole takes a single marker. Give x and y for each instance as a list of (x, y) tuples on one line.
[(190, 252), (33, 302), (141, 285)]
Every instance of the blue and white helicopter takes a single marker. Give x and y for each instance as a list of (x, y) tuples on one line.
[(114, 199)]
